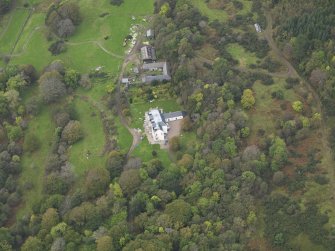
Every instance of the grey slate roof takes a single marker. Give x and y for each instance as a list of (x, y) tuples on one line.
[(148, 53), (172, 114), (158, 65)]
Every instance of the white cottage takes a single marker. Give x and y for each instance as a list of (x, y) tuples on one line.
[(157, 124)]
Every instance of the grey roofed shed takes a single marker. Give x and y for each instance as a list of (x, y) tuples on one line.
[(173, 114), (148, 53), (150, 33)]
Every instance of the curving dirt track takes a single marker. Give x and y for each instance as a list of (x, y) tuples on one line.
[(130, 57)]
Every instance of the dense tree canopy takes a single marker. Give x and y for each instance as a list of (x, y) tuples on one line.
[(51, 86)]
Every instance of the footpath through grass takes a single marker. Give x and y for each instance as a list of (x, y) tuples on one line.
[(12, 31)]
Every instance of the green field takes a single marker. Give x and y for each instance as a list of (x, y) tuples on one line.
[(88, 152), (33, 164), (144, 151), (212, 14), (267, 109), (244, 57), (124, 138), (12, 30), (87, 48)]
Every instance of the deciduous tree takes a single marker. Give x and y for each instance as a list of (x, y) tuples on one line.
[(248, 99), (52, 87)]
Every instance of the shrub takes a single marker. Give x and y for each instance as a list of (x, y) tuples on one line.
[(31, 143), (52, 87), (174, 144), (116, 2), (248, 99), (72, 132), (297, 106), (279, 94), (291, 82), (57, 47)]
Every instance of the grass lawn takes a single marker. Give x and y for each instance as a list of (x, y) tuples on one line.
[(33, 164), (115, 25), (96, 93), (82, 53), (124, 138), (35, 24), (246, 7), (144, 151), (188, 141), (8, 38), (261, 116), (212, 14), (138, 110), (93, 141), (83, 58), (244, 57)]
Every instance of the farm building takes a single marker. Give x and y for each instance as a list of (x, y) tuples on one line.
[(258, 28), (148, 53), (156, 72), (156, 123)]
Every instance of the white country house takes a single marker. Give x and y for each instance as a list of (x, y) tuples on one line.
[(157, 123)]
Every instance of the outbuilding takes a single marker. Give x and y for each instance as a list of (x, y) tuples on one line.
[(150, 34), (125, 81), (148, 53), (173, 116), (258, 27)]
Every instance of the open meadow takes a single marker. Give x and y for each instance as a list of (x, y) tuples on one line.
[(96, 42), (86, 50)]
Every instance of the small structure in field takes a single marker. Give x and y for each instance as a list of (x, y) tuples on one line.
[(150, 34), (125, 81), (136, 70), (148, 54), (258, 27), (156, 124), (158, 71)]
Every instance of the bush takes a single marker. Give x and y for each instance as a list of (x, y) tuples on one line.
[(52, 87), (279, 94), (248, 99), (116, 2), (57, 47), (297, 106), (270, 65), (97, 180), (31, 143), (174, 144), (5, 6), (291, 82), (72, 132)]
